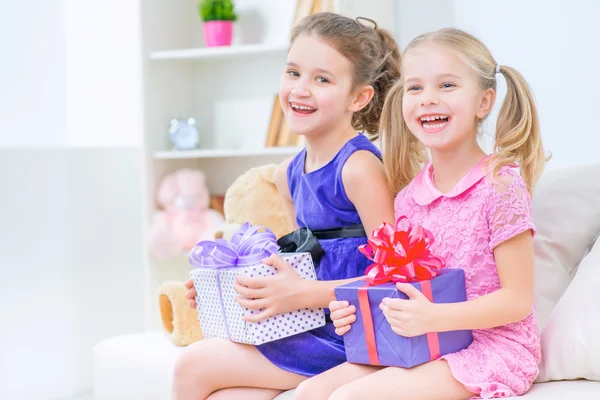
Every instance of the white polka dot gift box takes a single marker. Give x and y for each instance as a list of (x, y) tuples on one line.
[(216, 266)]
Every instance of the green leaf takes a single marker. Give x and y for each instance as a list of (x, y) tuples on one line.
[(217, 10)]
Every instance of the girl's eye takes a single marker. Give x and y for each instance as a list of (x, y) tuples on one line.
[(322, 80), (413, 88), (448, 85), (293, 73)]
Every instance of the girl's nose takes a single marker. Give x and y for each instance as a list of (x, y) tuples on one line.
[(301, 89), (430, 98)]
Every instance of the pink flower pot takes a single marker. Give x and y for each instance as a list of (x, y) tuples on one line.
[(218, 33)]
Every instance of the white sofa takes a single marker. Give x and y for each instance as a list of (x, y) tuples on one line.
[(567, 215), (139, 367)]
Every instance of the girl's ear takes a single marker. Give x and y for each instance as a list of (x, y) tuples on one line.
[(361, 98), (487, 103)]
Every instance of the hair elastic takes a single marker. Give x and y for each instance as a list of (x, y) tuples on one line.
[(358, 19), (497, 68)]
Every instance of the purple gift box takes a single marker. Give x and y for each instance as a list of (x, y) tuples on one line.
[(372, 340)]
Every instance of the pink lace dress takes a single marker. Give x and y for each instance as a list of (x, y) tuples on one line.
[(468, 222)]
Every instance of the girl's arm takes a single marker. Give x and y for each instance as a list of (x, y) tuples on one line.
[(511, 239), (280, 178), (367, 188), (512, 303)]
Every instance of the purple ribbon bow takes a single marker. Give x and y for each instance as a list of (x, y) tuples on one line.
[(247, 247)]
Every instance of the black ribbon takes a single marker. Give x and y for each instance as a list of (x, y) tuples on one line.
[(304, 240)]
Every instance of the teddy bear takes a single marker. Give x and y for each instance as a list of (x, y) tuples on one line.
[(253, 198), (179, 320), (184, 216)]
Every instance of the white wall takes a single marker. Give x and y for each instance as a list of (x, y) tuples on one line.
[(552, 43), (70, 73), (103, 72), (32, 74), (71, 173), (416, 17)]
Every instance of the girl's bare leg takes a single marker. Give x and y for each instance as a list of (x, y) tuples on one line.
[(431, 381), (213, 364), (323, 385), (245, 393)]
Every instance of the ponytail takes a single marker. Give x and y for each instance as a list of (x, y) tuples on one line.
[(518, 137), (403, 153), (387, 73)]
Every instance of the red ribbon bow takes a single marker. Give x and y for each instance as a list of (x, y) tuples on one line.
[(400, 254)]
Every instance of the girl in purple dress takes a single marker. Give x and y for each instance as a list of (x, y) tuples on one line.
[(338, 73)]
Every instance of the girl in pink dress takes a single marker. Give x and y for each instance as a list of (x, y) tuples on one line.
[(478, 208)]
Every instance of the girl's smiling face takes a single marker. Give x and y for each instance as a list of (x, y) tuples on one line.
[(442, 103), (315, 90)]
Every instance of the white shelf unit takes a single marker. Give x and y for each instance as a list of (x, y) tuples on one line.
[(228, 90), (203, 53), (225, 153)]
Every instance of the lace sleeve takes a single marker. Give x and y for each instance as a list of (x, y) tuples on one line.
[(509, 209)]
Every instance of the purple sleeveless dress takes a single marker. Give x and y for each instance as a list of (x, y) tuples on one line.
[(320, 203)]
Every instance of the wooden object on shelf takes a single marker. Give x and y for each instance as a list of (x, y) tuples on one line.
[(303, 9), (316, 7), (279, 134), (277, 119), (286, 136)]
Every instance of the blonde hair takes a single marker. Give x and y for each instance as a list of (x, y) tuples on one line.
[(517, 138), (372, 51)]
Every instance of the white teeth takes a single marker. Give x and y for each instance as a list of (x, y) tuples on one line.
[(433, 118), (426, 125), (295, 107), (433, 125)]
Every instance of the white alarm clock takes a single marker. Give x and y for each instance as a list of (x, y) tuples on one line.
[(184, 134)]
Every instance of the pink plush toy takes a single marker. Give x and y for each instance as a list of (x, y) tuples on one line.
[(185, 217)]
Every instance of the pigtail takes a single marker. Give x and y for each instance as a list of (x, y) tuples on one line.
[(403, 154), (518, 137), (387, 72)]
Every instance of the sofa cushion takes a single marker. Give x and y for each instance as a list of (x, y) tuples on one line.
[(566, 211), (570, 341)]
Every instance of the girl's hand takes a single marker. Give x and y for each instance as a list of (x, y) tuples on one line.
[(342, 315), (412, 317), (191, 293), (281, 292)]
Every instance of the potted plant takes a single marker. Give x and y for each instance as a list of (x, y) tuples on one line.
[(218, 17)]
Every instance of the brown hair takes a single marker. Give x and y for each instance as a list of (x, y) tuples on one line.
[(372, 51), (517, 138)]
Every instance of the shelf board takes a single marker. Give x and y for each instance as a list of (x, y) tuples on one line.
[(207, 53), (225, 153)]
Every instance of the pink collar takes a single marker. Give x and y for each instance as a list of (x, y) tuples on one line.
[(425, 192)]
